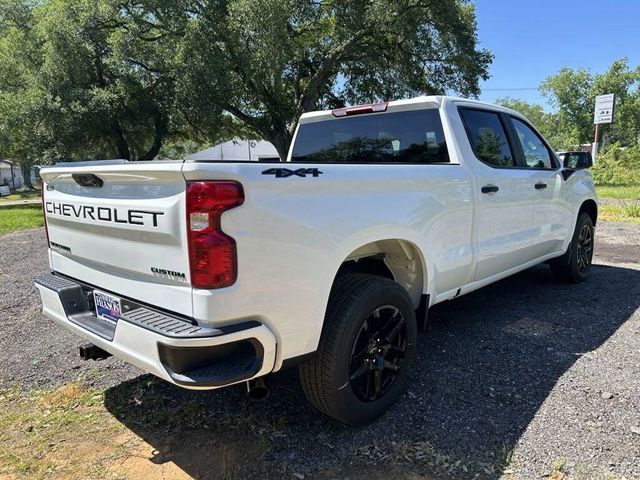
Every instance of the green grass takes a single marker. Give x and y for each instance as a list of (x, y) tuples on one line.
[(619, 213), (14, 197), (631, 208), (20, 217), (43, 430), (626, 193), (71, 432)]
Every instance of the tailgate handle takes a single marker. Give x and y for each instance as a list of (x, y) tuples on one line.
[(88, 180)]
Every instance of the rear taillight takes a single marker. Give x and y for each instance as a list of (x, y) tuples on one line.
[(44, 212), (212, 253)]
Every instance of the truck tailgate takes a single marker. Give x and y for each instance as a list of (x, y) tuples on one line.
[(121, 227)]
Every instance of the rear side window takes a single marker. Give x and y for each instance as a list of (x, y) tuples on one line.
[(488, 137), (402, 137)]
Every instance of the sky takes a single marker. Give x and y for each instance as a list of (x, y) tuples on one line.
[(532, 40)]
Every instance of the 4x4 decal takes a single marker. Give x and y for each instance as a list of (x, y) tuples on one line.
[(285, 172)]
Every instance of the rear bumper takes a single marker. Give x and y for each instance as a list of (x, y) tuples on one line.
[(170, 347)]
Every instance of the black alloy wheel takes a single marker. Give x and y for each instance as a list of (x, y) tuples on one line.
[(585, 248), (575, 264), (378, 353), (366, 349)]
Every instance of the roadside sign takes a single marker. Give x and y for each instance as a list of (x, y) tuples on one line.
[(604, 109)]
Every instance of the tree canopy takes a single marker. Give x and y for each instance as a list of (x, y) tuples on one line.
[(269, 61), (138, 79), (107, 78), (84, 79), (572, 93)]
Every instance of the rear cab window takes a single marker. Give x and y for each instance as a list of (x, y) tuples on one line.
[(406, 137)]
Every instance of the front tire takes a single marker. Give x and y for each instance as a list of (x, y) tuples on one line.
[(575, 264), (366, 349)]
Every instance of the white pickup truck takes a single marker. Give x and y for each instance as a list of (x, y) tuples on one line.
[(207, 274)]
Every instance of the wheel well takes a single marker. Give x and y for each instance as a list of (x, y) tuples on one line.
[(397, 260), (589, 207), (373, 265)]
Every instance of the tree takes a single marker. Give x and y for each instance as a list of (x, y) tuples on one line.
[(268, 61), (625, 84), (17, 140), (87, 79), (573, 93), (120, 78), (570, 91)]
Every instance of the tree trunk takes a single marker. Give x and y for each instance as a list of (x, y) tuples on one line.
[(158, 137), (282, 142), (25, 167), (121, 143)]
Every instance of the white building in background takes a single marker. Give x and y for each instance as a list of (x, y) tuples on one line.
[(11, 174), (238, 150)]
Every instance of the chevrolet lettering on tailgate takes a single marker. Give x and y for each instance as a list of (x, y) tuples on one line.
[(104, 214)]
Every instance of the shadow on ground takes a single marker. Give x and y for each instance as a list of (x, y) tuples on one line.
[(485, 365)]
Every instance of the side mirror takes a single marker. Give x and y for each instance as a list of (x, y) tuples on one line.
[(577, 160)]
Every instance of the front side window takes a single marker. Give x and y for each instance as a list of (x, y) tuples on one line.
[(413, 137), (488, 137), (536, 153)]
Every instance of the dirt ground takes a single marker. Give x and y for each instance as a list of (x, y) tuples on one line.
[(526, 378)]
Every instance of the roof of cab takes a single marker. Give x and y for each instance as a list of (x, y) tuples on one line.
[(436, 101)]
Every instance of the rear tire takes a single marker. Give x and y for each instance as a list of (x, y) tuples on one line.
[(367, 346), (575, 264)]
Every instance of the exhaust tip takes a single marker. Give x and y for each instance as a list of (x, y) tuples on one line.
[(257, 390)]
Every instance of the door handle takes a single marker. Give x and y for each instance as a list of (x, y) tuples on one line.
[(541, 186), (489, 189)]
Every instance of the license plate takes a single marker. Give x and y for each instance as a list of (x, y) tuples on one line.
[(107, 306)]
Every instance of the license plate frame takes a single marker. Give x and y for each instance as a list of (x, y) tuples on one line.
[(108, 307)]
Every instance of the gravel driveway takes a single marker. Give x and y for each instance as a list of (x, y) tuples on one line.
[(528, 370)]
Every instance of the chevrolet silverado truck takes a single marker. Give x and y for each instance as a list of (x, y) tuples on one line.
[(209, 273)]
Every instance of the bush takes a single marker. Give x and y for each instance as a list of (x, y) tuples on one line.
[(618, 167)]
